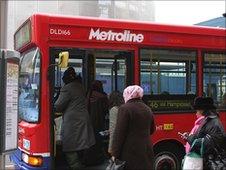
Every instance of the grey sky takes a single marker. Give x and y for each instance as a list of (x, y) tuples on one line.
[(188, 12)]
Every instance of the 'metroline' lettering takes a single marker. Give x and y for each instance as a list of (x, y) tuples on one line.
[(125, 36)]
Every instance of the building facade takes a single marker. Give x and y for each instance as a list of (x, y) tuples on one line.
[(19, 11), (3, 18)]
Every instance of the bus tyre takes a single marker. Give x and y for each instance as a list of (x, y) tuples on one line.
[(168, 158)]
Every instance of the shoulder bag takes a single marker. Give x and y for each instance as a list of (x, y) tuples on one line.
[(217, 162), (192, 160)]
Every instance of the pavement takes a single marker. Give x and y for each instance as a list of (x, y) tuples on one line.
[(99, 167), (8, 164)]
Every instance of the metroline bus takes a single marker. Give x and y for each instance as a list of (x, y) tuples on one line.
[(172, 63)]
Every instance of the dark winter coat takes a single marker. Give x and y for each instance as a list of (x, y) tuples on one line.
[(210, 128), (98, 108), (131, 140), (77, 131)]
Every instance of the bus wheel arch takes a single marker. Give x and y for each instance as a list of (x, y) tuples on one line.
[(168, 155)]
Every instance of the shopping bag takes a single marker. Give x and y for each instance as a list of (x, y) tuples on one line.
[(116, 165), (58, 124), (193, 160)]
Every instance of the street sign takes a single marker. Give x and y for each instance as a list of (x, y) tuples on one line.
[(9, 74)]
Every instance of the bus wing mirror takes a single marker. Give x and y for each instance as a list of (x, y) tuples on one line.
[(63, 59)]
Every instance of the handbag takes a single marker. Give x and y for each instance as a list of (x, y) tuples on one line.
[(216, 162), (192, 160), (116, 165)]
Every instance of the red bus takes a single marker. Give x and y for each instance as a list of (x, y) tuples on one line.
[(172, 63)]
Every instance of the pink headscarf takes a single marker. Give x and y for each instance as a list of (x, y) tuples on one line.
[(132, 92)]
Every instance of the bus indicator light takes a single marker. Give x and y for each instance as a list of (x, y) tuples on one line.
[(32, 160), (168, 126), (25, 157)]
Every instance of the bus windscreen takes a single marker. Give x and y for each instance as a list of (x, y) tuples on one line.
[(29, 86)]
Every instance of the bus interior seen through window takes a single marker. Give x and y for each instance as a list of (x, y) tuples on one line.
[(109, 66), (214, 77), (168, 72)]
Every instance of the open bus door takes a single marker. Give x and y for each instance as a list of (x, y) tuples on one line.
[(113, 68)]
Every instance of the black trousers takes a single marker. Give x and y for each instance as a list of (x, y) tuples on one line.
[(73, 160)]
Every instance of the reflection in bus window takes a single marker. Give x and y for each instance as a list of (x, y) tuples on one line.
[(168, 71), (29, 86), (108, 70), (214, 77)]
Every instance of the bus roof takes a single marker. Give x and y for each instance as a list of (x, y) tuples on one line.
[(89, 29), (132, 24)]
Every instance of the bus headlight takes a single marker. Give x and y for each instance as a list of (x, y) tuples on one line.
[(32, 160)]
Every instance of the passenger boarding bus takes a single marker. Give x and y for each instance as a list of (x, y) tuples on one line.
[(173, 64)]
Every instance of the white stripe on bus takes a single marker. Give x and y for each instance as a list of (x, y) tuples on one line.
[(47, 154)]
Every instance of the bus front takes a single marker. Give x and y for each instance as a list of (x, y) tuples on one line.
[(32, 152)]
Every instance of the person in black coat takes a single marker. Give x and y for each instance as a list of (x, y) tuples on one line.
[(131, 139), (77, 131), (211, 130), (97, 101), (97, 105)]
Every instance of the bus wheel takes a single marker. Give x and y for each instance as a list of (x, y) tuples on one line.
[(168, 158)]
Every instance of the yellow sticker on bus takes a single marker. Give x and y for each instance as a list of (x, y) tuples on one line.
[(168, 126)]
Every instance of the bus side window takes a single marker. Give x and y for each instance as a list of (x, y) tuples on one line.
[(171, 71), (214, 73)]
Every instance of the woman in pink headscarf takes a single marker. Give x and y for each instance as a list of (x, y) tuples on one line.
[(135, 123)]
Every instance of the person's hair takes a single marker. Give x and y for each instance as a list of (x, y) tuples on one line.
[(97, 86), (115, 99), (69, 75), (211, 112)]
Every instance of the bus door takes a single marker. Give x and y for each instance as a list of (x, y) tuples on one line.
[(76, 60), (113, 68)]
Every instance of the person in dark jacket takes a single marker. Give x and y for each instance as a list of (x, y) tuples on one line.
[(135, 123), (77, 131), (97, 105), (98, 108), (211, 130)]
